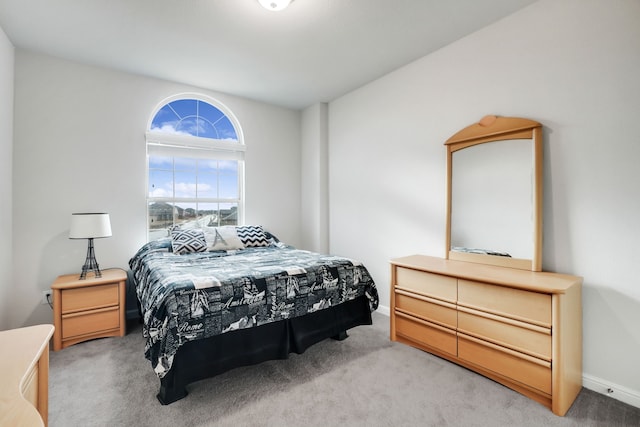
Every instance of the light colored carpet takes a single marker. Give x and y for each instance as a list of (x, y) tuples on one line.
[(365, 380)]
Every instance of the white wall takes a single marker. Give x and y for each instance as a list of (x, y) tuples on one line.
[(314, 180), (79, 146), (573, 65), (6, 150)]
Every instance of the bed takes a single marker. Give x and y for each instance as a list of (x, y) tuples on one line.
[(207, 308)]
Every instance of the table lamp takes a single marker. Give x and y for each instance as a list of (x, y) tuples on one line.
[(90, 226)]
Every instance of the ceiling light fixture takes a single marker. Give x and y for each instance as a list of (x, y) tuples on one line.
[(275, 5)]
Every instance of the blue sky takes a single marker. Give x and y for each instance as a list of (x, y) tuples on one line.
[(194, 117), (191, 177)]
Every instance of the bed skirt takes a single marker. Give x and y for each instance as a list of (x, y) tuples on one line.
[(197, 360)]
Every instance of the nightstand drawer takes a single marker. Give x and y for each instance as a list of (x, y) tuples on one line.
[(90, 322), (434, 285), (89, 298), (434, 310)]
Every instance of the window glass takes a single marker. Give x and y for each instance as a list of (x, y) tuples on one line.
[(190, 182), (196, 118)]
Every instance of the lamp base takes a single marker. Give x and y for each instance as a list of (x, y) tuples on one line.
[(90, 264)]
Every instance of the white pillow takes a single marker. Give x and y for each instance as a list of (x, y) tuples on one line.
[(222, 238)]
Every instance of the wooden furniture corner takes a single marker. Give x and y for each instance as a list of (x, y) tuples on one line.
[(90, 308), (24, 395), (520, 328)]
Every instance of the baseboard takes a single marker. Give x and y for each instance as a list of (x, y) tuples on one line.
[(615, 391), (607, 388), (383, 309)]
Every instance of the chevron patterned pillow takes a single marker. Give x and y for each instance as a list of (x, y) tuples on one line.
[(252, 236), (188, 241)]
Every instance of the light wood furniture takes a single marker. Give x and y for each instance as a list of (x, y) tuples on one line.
[(90, 308), (497, 315), (24, 394), (491, 214), (520, 328)]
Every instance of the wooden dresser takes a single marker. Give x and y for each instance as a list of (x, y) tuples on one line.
[(520, 328), (24, 394)]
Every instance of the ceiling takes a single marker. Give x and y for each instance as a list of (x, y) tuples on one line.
[(314, 51)]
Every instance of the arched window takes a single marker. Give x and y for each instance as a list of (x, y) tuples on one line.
[(195, 165)]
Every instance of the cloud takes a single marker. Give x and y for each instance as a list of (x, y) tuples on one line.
[(160, 192), (188, 189), (195, 127), (168, 127)]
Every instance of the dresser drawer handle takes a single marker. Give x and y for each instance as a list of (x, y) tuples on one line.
[(424, 322), (517, 318), (424, 298), (84, 313), (507, 320), (506, 350)]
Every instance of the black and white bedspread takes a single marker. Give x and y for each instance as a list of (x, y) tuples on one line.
[(198, 295)]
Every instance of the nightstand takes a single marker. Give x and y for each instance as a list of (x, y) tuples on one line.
[(89, 308)]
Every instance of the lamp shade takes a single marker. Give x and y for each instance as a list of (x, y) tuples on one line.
[(90, 226)]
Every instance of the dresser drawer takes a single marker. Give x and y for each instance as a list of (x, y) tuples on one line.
[(527, 370), (434, 285), (426, 333), (89, 297), (432, 310), (518, 304), (530, 339), (90, 322)]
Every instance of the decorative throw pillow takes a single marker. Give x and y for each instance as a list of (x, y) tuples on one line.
[(222, 238), (252, 236), (188, 241)]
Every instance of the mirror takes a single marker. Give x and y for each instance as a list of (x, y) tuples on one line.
[(494, 193)]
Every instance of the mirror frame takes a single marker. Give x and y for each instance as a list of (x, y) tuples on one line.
[(489, 129)]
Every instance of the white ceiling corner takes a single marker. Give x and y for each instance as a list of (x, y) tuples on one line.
[(314, 51)]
